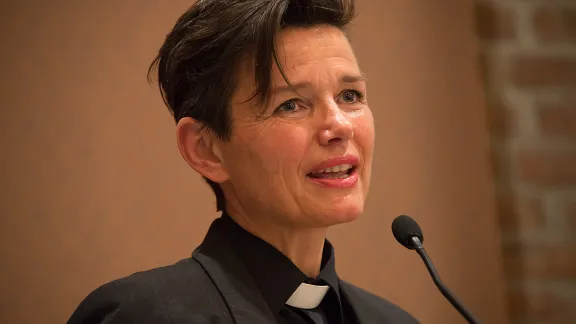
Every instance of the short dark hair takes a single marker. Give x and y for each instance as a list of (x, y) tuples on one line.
[(198, 62)]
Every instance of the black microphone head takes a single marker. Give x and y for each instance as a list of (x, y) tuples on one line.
[(404, 229)]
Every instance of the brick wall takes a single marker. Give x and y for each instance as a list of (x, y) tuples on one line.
[(528, 55)]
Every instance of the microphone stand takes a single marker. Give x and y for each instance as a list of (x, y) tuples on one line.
[(436, 278)]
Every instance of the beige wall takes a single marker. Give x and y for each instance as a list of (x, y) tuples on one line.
[(93, 187)]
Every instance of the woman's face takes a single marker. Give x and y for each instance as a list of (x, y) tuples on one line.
[(307, 161)]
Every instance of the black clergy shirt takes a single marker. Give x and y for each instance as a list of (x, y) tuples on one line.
[(277, 278), (234, 277)]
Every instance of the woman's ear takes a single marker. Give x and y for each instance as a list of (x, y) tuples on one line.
[(200, 149)]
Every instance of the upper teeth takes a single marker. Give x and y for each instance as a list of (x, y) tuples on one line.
[(337, 168)]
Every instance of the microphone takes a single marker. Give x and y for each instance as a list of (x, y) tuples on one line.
[(408, 233)]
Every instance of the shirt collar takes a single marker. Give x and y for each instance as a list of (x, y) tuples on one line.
[(278, 279)]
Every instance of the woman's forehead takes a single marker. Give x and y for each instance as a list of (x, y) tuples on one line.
[(301, 46), (305, 55)]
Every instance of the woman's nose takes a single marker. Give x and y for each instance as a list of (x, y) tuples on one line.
[(337, 127)]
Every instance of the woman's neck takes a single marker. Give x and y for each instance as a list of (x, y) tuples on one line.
[(303, 246)]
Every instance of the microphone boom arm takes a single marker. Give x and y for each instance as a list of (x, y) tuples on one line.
[(436, 278)]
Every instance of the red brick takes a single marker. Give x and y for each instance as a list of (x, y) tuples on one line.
[(571, 215), (546, 306), (543, 70), (555, 262), (502, 120), (515, 212), (501, 164), (548, 167), (516, 304), (494, 22), (512, 261), (484, 66), (555, 24), (558, 119)]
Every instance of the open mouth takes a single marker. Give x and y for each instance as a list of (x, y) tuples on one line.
[(337, 172)]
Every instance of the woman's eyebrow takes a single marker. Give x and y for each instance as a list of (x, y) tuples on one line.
[(345, 78)]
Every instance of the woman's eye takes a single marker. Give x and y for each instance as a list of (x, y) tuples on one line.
[(288, 106), (351, 96)]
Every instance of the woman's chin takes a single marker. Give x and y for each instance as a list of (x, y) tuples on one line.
[(340, 214)]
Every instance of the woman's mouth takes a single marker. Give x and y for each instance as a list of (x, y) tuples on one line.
[(337, 172), (340, 176)]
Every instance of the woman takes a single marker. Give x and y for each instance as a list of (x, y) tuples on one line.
[(271, 110)]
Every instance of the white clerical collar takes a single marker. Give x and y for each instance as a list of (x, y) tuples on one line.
[(307, 296)]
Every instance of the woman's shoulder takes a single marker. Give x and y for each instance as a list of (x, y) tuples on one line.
[(152, 296), (375, 307)]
